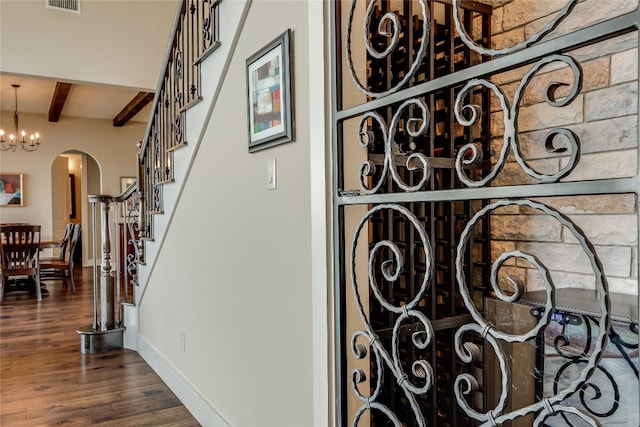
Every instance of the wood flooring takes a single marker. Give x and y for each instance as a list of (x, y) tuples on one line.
[(46, 381)]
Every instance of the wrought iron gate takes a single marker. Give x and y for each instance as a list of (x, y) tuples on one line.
[(486, 210)]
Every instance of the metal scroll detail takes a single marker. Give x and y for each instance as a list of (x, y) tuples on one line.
[(156, 177), (132, 241), (551, 25), (416, 161), (381, 357), (393, 34), (178, 97), (467, 351), (208, 24), (468, 114), (571, 341)]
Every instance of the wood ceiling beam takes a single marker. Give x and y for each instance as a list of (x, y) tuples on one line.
[(132, 108), (60, 95)]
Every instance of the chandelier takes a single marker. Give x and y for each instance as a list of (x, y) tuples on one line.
[(32, 143)]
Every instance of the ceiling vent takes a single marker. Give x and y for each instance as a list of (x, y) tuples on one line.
[(66, 5)]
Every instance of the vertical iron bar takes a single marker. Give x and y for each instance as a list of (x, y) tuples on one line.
[(95, 267), (338, 220), (125, 257), (118, 254), (429, 207)]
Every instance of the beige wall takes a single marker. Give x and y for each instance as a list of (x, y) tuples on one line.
[(113, 42), (113, 148), (234, 272), (85, 47)]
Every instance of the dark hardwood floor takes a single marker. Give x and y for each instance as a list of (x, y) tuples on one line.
[(46, 381)]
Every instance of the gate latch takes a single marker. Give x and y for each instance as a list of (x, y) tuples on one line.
[(348, 193)]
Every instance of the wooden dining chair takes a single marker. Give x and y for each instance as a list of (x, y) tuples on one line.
[(61, 268), (19, 255), (64, 243)]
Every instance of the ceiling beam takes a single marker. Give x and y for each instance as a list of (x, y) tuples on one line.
[(57, 102), (132, 108)]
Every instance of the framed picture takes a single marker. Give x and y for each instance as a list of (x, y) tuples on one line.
[(130, 203), (72, 194), (11, 189), (270, 109)]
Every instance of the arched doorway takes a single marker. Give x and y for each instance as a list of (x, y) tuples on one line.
[(74, 175)]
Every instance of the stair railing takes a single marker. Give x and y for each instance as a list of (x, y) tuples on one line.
[(195, 36)]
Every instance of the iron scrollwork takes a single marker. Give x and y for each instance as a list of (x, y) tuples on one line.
[(157, 173), (415, 161), (208, 38), (468, 114), (534, 38), (393, 34), (468, 351), (132, 223), (391, 270), (571, 340)]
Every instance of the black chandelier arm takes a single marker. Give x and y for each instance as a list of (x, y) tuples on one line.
[(12, 146), (27, 146), (32, 146)]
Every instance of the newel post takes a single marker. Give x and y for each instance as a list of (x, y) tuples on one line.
[(105, 335), (107, 311)]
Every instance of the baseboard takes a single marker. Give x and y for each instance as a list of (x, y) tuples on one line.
[(188, 395), (130, 321)]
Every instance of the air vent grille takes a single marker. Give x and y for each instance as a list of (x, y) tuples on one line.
[(66, 5)]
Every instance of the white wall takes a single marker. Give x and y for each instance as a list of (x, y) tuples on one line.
[(234, 272)]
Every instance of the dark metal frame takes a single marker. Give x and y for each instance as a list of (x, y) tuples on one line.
[(533, 53)]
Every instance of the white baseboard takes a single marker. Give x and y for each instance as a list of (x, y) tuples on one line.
[(130, 321), (188, 395)]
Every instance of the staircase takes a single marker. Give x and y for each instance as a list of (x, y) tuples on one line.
[(204, 36), (195, 63), (195, 37)]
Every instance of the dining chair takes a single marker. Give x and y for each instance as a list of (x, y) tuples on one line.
[(61, 268), (64, 243), (62, 246), (19, 255)]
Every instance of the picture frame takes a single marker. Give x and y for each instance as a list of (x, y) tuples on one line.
[(72, 196), (11, 189), (269, 94)]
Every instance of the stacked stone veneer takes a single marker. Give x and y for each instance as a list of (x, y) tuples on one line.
[(604, 117)]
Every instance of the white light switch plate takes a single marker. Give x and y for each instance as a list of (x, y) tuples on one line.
[(271, 174)]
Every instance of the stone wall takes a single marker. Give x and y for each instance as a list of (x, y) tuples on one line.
[(604, 118)]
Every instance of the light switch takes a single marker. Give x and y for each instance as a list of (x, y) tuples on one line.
[(271, 174)]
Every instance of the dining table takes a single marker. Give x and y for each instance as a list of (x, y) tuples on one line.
[(45, 242)]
